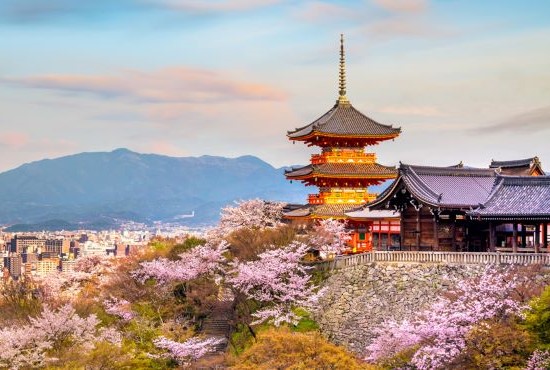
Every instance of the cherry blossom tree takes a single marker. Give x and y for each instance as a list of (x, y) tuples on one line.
[(539, 360), (278, 280), (201, 260), (440, 331), (119, 307), (330, 237), (25, 346), (66, 286), (253, 213), (188, 351)]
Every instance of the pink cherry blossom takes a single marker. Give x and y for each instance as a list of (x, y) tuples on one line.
[(188, 351), (330, 237), (440, 330), (277, 279), (201, 260)]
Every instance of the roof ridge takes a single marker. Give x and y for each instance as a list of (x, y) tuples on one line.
[(446, 171), (425, 188)]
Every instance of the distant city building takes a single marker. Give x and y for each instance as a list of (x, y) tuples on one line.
[(58, 246), (29, 257), (13, 266), (27, 244), (47, 266), (67, 265)]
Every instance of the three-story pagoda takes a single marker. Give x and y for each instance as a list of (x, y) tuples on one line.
[(343, 171)]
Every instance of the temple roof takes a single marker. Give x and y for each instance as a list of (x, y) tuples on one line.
[(519, 167), (343, 170), (321, 211), (366, 213), (517, 197), (443, 187), (344, 120)]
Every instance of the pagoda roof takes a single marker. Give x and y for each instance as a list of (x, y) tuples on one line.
[(343, 120), (337, 211), (442, 187), (343, 170), (526, 198), (519, 167)]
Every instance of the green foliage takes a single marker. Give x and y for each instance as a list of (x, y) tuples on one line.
[(188, 244), (401, 360), (496, 345), (306, 323), (319, 275), (107, 356), (537, 319)]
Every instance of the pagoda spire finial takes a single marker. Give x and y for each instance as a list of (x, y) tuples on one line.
[(342, 98)]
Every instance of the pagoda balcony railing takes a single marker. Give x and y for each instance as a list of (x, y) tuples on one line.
[(459, 258), (343, 157), (344, 198)]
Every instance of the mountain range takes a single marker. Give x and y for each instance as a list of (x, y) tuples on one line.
[(97, 190)]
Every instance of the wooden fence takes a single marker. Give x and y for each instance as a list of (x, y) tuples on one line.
[(460, 258)]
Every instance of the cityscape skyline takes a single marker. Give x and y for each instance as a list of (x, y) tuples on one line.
[(465, 82)]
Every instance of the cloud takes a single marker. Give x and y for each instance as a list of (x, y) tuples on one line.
[(425, 111), (533, 121), (47, 10), (170, 85), (402, 6), (409, 26), (212, 6), (13, 140), (318, 11)]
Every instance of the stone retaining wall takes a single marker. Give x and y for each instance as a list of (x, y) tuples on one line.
[(361, 298)]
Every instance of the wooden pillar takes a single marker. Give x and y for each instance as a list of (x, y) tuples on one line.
[(453, 233), (545, 235), (418, 229), (523, 236), (492, 237), (515, 238), (436, 234), (537, 238), (401, 231)]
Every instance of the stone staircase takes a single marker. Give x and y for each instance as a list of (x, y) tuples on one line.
[(218, 325)]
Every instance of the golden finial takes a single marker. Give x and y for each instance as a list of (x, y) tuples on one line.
[(342, 80)]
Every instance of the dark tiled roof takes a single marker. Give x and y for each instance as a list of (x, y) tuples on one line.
[(344, 119), (515, 163), (519, 167), (445, 187), (517, 197), (322, 211), (343, 170)]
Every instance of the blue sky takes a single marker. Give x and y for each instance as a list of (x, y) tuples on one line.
[(465, 80)]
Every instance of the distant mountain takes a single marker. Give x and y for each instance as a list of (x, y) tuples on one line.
[(102, 188)]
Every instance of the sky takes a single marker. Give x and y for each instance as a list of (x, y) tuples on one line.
[(465, 80)]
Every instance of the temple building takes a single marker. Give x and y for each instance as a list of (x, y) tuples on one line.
[(468, 209), (343, 170), (520, 167)]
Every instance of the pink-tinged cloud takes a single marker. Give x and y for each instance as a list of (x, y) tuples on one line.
[(411, 110), (318, 11), (13, 140), (535, 120), (170, 85), (409, 26), (213, 6), (403, 6)]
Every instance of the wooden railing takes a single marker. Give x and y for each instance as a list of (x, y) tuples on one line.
[(461, 258)]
